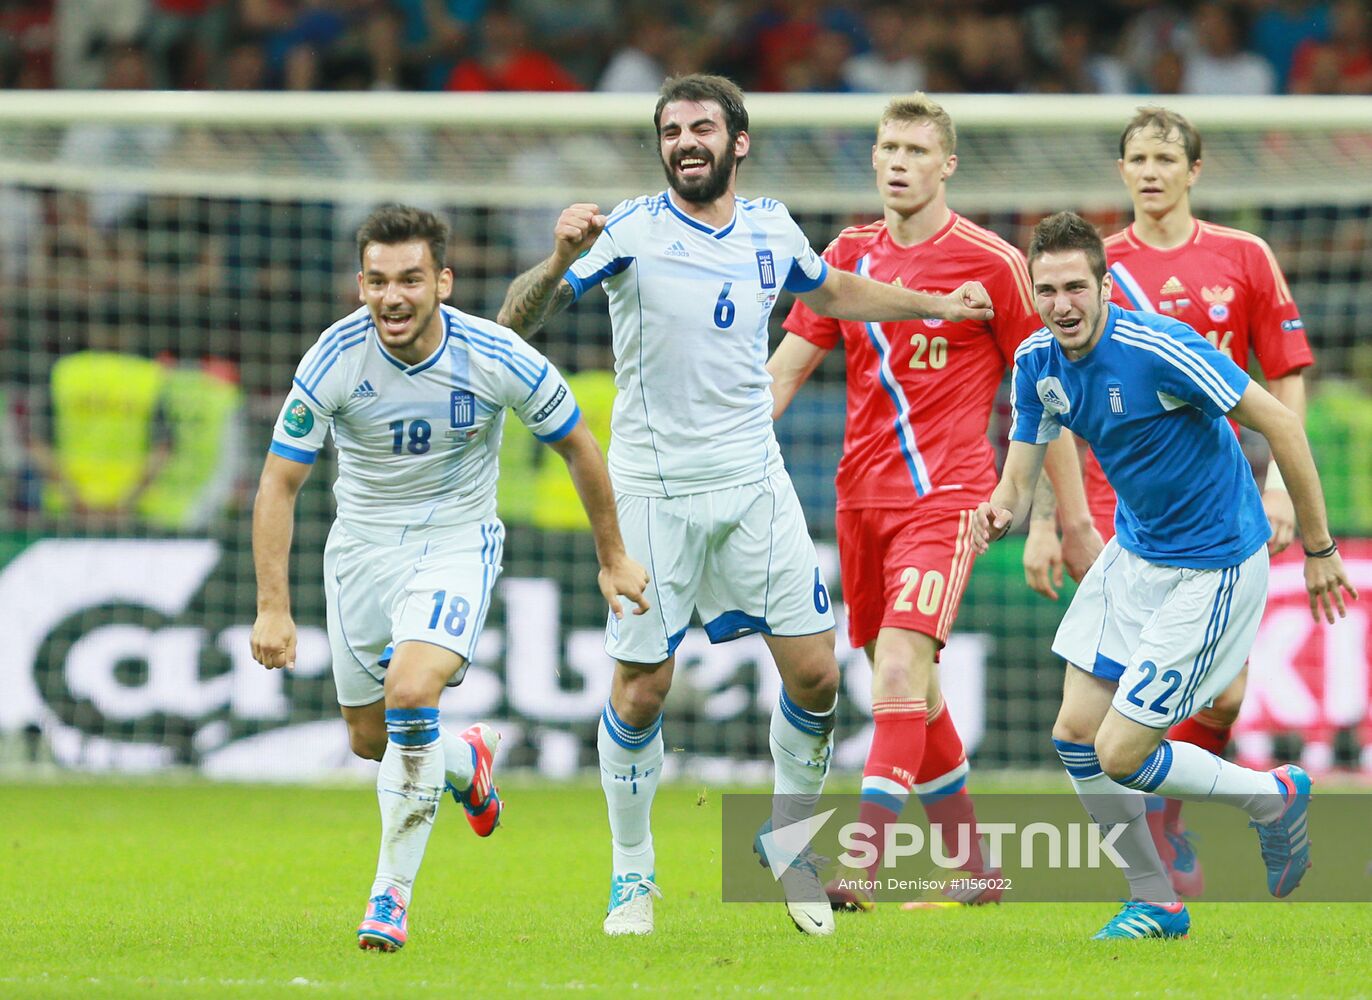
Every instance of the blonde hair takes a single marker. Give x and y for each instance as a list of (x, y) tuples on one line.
[(920, 107), (1165, 124)]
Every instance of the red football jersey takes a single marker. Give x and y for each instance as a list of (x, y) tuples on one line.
[(920, 391), (1222, 282)]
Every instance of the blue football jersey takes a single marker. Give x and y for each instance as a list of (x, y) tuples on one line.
[(1150, 398)]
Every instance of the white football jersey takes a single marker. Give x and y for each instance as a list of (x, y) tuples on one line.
[(688, 309), (418, 444)]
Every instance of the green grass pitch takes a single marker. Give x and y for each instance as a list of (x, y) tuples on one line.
[(197, 890)]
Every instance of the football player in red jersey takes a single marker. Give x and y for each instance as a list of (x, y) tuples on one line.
[(916, 459), (1227, 285)]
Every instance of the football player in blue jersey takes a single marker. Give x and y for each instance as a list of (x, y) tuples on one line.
[(1166, 616)]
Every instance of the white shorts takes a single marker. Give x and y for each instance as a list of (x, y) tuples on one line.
[(740, 556), (1171, 638), (434, 587)]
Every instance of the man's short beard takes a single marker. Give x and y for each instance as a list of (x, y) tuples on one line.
[(419, 327), (709, 188)]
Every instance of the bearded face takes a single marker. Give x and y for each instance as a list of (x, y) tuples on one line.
[(698, 153), (698, 175)]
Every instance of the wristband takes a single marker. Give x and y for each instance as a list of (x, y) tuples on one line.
[(1322, 553)]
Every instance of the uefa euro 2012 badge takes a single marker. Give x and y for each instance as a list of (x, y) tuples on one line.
[(299, 419)]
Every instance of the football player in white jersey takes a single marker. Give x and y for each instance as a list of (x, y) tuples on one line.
[(692, 275), (415, 393)]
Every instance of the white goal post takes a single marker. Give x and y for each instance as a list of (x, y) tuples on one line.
[(1019, 152)]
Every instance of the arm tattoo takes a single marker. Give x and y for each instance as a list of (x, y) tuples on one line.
[(1045, 500), (533, 297)]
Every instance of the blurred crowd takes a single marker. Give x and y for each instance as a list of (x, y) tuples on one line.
[(976, 46), (137, 348)]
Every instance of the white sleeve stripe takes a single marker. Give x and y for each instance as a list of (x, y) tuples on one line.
[(541, 376), (346, 325), (1036, 341), (1202, 368), (306, 390), (1222, 395), (1226, 399)]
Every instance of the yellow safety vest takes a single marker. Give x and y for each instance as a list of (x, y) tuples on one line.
[(103, 406), (200, 408), (534, 485)]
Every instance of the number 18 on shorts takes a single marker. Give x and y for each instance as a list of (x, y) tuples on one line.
[(434, 589)]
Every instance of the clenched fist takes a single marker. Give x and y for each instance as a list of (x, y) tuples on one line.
[(577, 229), (968, 301)]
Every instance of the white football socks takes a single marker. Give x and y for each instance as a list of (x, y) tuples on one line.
[(409, 785), (1111, 804), (1183, 771), (630, 769), (802, 743)]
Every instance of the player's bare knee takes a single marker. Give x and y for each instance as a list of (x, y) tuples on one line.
[(896, 676), (1119, 760), (903, 664), (1224, 712), (638, 696), (825, 689), (411, 692), (815, 687), (367, 744), (639, 705), (1070, 729)]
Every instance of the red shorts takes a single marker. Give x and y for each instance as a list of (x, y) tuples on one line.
[(903, 568), (1100, 497)]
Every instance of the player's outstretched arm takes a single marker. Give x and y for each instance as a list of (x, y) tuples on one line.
[(619, 575), (1326, 581), (844, 295), (794, 360), (1042, 548), (1045, 556), (541, 291), (1010, 499), (1081, 542), (273, 522)]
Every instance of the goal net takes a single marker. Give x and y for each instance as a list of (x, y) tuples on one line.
[(167, 258)]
